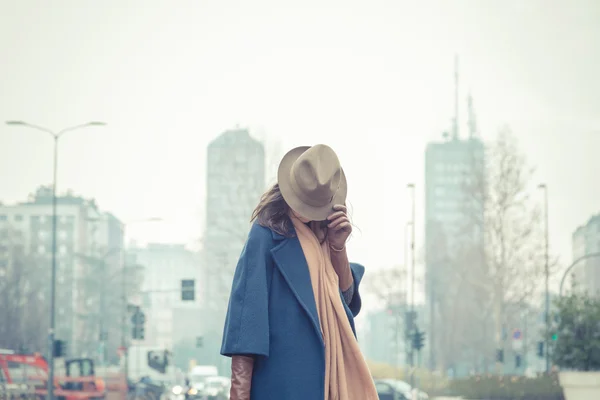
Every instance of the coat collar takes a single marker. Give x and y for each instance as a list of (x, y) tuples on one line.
[(290, 261), (278, 236)]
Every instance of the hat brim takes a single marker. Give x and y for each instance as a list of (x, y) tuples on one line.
[(306, 210)]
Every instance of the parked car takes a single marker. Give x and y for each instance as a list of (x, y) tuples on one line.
[(393, 389), (389, 389)]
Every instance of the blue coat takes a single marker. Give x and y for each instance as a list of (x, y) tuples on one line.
[(272, 315)]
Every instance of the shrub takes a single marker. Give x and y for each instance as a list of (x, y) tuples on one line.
[(492, 387), (575, 333)]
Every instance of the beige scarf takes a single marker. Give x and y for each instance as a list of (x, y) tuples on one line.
[(347, 376)]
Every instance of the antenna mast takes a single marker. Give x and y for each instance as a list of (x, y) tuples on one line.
[(455, 130), (472, 119)]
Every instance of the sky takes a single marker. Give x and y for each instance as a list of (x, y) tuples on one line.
[(373, 79)]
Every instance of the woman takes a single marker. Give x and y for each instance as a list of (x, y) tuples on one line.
[(290, 324)]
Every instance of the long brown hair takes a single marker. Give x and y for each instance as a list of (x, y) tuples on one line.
[(272, 212)]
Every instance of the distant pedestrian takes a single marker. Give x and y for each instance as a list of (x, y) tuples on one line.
[(290, 323)]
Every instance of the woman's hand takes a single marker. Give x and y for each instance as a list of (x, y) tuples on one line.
[(339, 227)]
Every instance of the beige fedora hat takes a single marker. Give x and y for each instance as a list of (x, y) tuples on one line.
[(311, 181)]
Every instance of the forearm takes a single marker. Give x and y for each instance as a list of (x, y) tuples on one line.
[(241, 377), (341, 265)]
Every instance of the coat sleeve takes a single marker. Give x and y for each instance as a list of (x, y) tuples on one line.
[(246, 329), (357, 273)]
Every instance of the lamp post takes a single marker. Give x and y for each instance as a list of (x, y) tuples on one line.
[(544, 188), (406, 299), (411, 187), (573, 265), (55, 136)]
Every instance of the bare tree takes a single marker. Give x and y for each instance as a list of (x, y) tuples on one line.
[(388, 285), (103, 306), (504, 267), (22, 294)]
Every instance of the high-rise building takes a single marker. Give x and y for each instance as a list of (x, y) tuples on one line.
[(235, 182), (453, 225), (449, 221), (586, 241), (88, 246), (449, 227)]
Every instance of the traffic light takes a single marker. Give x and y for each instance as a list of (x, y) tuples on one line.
[(199, 341), (555, 336), (418, 339), (138, 319), (500, 355), (540, 350), (410, 319), (517, 361), (138, 332), (188, 291), (59, 349)]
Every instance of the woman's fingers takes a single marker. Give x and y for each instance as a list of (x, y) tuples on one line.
[(336, 215), (343, 226), (340, 207), (335, 224)]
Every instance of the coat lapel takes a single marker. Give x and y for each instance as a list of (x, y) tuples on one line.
[(290, 261)]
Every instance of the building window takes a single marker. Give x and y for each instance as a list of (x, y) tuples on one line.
[(18, 217), (43, 219), (41, 234), (63, 249), (62, 234), (3, 217), (41, 249)]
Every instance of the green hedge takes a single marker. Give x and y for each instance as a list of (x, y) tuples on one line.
[(507, 388)]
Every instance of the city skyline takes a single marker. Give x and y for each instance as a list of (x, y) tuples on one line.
[(166, 96)]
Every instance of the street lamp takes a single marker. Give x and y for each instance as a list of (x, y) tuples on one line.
[(544, 188), (405, 266), (411, 187), (573, 265), (55, 136)]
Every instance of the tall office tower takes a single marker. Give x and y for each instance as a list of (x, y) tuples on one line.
[(235, 182)]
